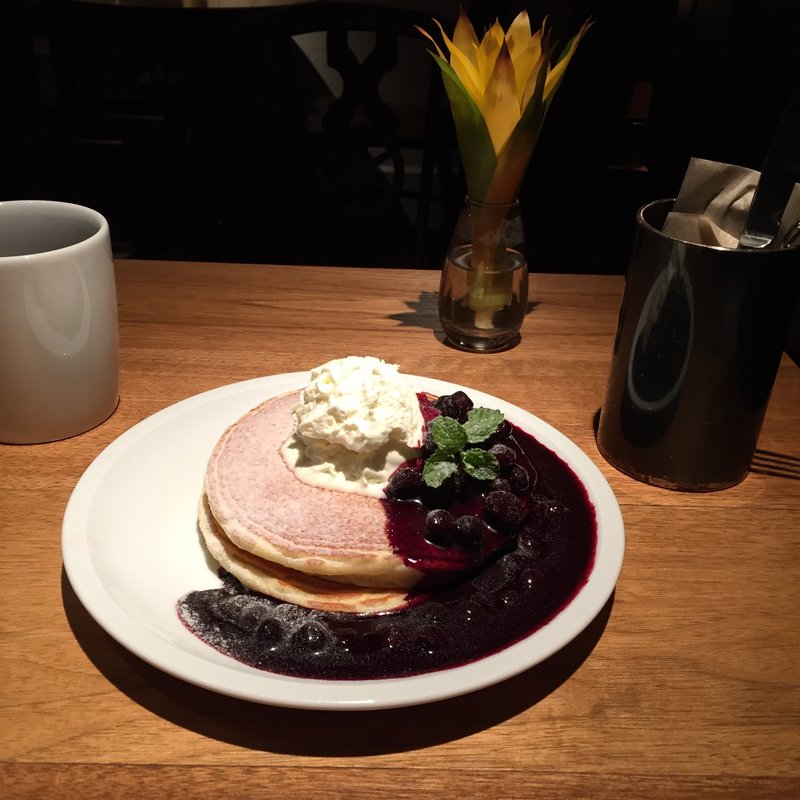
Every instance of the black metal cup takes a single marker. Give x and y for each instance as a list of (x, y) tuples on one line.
[(699, 339)]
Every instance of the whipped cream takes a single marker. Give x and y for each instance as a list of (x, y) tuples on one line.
[(357, 421)]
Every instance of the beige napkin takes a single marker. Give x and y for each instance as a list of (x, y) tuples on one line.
[(713, 202)]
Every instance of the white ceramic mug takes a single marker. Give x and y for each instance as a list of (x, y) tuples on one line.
[(59, 368)]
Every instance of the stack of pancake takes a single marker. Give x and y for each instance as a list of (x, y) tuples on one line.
[(309, 546)]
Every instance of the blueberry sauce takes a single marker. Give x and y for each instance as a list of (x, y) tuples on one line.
[(516, 585)]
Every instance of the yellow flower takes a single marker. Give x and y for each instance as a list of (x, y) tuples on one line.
[(500, 88)]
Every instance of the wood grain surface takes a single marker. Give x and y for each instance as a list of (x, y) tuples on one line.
[(685, 686)]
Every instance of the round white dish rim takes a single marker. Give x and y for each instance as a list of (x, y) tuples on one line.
[(110, 529)]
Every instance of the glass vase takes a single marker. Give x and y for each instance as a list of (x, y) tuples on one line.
[(483, 292)]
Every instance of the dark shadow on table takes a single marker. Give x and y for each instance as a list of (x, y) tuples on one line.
[(778, 465), (424, 313), (323, 733)]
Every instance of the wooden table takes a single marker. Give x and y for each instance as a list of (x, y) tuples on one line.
[(686, 686)]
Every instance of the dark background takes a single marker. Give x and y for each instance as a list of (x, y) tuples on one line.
[(95, 99)]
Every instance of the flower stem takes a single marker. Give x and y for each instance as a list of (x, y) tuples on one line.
[(490, 288)]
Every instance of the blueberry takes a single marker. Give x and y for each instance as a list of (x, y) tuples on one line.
[(502, 434), (504, 510), (471, 532), (270, 632), (529, 535), (504, 430), (500, 485), (405, 483), (440, 528), (359, 644), (254, 615), (518, 478), (456, 405), (373, 642), (428, 444), (347, 639), (554, 515), (311, 637), (538, 510), (505, 456), (462, 485), (440, 497), (228, 609)]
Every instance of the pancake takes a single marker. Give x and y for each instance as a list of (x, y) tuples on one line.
[(289, 585), (266, 511)]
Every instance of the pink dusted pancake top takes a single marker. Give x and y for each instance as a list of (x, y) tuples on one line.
[(261, 504)]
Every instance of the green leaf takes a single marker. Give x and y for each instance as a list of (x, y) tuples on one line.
[(474, 141), (480, 464), (481, 424), (566, 54), (438, 468), (449, 435), (512, 161)]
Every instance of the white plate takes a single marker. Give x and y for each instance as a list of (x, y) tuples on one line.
[(131, 550)]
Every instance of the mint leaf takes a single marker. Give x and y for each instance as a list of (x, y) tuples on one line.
[(480, 464), (452, 438), (481, 424), (438, 468), (449, 434)]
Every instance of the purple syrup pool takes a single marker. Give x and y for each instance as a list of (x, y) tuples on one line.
[(507, 598)]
